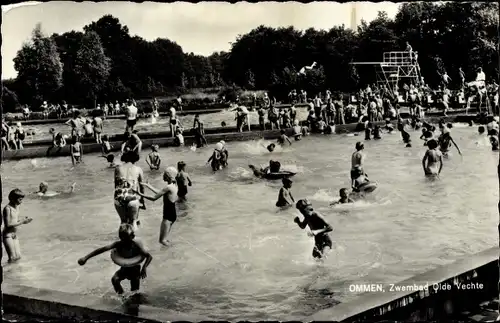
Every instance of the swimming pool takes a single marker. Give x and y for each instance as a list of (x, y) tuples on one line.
[(117, 126), (233, 255)]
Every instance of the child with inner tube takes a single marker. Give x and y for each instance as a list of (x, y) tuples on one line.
[(43, 190), (11, 221), (122, 252), (360, 179), (285, 198), (169, 194), (318, 226), (344, 197), (153, 160)]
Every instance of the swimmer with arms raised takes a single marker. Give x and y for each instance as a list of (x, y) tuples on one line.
[(11, 222), (344, 197), (318, 225), (128, 180), (169, 194), (431, 159), (125, 249), (43, 190), (285, 198)]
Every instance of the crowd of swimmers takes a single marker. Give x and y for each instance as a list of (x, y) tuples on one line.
[(130, 187)]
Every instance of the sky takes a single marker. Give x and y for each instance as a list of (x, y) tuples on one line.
[(201, 28)]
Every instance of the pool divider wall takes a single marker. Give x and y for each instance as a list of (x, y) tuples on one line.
[(41, 151), (164, 139), (77, 307), (480, 268)]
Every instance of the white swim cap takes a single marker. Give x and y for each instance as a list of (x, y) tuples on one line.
[(18, 124), (171, 172), (219, 146), (496, 118), (65, 136), (223, 142)]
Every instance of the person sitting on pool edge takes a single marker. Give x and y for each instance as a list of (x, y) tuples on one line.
[(127, 247), (58, 141), (285, 198), (43, 190), (153, 160), (360, 179), (344, 197), (318, 226)]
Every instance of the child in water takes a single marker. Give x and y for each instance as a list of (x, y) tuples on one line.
[(344, 197), (285, 198), (105, 146), (360, 179), (11, 222), (368, 131), (43, 190), (183, 181), (283, 138), (127, 247), (318, 226), (377, 133), (179, 138), (432, 163), (111, 160), (76, 150), (271, 147), (153, 159)]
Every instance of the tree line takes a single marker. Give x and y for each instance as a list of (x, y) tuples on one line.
[(106, 63)]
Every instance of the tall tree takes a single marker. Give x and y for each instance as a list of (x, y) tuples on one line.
[(39, 67), (92, 66)]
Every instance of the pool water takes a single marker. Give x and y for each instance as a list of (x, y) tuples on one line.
[(117, 126), (234, 256)]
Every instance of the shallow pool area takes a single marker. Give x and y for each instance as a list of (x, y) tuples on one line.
[(234, 255), (117, 126)]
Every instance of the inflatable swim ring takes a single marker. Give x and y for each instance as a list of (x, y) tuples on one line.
[(126, 262), (279, 175), (368, 187)]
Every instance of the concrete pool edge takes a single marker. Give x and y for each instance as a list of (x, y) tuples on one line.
[(54, 304), (376, 306)]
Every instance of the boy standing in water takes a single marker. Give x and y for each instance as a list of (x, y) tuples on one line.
[(11, 222), (285, 198), (169, 194), (183, 181), (357, 159), (127, 247), (431, 159), (318, 225), (153, 159)]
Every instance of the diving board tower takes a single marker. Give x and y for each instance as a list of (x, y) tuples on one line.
[(396, 69)]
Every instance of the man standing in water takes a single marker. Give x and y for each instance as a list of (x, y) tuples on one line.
[(431, 159), (169, 193), (357, 159), (131, 114)]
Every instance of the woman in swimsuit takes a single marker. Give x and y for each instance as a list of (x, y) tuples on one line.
[(169, 193), (20, 135), (76, 150), (128, 179)]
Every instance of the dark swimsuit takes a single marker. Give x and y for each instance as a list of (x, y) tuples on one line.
[(320, 242), (169, 211)]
